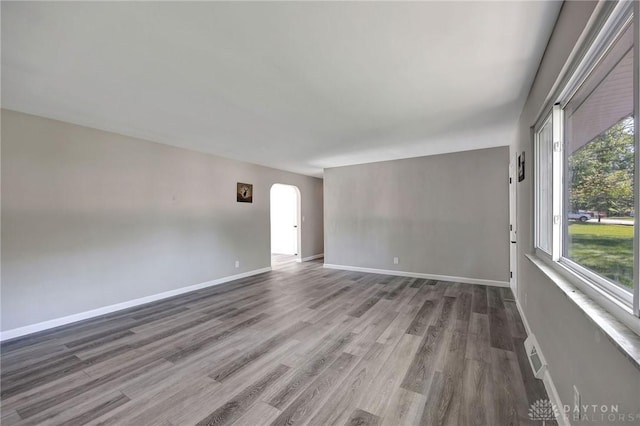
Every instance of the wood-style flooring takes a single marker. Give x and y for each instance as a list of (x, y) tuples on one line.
[(278, 260), (298, 345)]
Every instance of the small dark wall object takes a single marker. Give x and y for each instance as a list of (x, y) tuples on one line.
[(245, 192), (521, 167)]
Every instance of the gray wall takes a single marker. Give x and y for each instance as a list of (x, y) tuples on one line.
[(577, 352), (444, 214), (91, 218)]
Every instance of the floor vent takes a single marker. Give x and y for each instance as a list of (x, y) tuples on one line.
[(537, 362)]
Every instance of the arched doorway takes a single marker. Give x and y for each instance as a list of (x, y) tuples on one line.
[(285, 224)]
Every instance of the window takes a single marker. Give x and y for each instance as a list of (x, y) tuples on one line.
[(585, 157), (544, 185)]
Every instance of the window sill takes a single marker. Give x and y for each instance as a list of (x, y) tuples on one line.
[(620, 333)]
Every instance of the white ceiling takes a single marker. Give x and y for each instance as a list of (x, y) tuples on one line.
[(296, 86)]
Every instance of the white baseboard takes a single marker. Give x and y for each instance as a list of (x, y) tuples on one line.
[(45, 325), (314, 257), (552, 392), (419, 275), (524, 319)]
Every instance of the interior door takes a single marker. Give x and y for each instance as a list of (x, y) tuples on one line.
[(513, 233)]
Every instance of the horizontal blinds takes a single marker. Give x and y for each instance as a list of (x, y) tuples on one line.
[(605, 98)]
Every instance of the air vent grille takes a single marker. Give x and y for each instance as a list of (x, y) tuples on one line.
[(538, 365)]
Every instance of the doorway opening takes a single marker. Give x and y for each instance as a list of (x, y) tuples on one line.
[(285, 224)]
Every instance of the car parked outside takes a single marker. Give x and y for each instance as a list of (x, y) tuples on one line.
[(582, 217)]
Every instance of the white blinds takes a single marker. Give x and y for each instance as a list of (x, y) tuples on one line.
[(605, 98)]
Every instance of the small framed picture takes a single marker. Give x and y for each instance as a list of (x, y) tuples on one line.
[(521, 167), (245, 193)]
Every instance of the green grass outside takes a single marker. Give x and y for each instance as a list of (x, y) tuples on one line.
[(603, 248)]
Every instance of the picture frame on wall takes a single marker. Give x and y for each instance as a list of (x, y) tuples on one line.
[(244, 193), (521, 167)]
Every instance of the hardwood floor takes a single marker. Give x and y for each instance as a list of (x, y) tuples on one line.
[(299, 345), (279, 260)]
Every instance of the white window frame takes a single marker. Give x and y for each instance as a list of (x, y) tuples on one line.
[(547, 118), (636, 183), (558, 188), (555, 118), (610, 295)]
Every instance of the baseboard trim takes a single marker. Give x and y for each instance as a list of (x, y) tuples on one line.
[(419, 275), (314, 257), (524, 319), (549, 386), (46, 325)]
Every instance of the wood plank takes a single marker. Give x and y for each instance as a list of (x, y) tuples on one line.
[(431, 414), (233, 409), (357, 384), (189, 397), (46, 390), (308, 372), (494, 299), (398, 289), (477, 407), (159, 387), (51, 365), (38, 357), (363, 418), (329, 298), (367, 304), (499, 329), (479, 343), (463, 306), (420, 282), (40, 376), (40, 405), (479, 303), (452, 289), (259, 413), (231, 368), (363, 341), (421, 371), (390, 375), (9, 418), (185, 352), (86, 401), (419, 324), (313, 397), (516, 327), (405, 408), (315, 338), (97, 411), (504, 393), (399, 325), (174, 403), (447, 396)]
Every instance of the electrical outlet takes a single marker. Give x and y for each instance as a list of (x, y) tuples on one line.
[(237, 263), (395, 260), (577, 403)]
